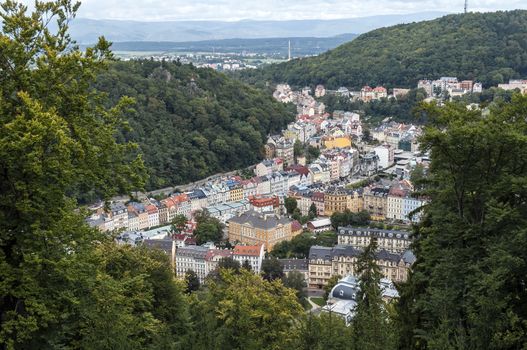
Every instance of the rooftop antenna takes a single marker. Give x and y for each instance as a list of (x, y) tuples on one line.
[(466, 4), (289, 56)]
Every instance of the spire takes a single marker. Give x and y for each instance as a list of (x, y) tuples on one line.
[(466, 3)]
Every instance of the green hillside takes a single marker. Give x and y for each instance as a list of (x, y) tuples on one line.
[(489, 47), (191, 122)]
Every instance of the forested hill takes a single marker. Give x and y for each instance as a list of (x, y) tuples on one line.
[(191, 122), (489, 47)]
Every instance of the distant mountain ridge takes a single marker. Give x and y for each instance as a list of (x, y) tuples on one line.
[(86, 31), (299, 46), (489, 47)]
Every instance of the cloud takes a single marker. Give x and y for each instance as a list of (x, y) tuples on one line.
[(233, 10)]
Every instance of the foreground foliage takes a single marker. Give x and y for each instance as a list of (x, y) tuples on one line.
[(468, 289)]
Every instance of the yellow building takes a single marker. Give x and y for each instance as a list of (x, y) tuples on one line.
[(236, 194), (254, 228), (341, 200), (376, 202), (325, 262), (335, 201), (337, 142)]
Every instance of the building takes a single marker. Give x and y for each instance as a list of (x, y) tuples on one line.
[(320, 91), (254, 254), (192, 258), (265, 204), (385, 153), (342, 299), (514, 84), (359, 237), (284, 149), (331, 142), (368, 94), (335, 200), (255, 228), (268, 166), (119, 216), (376, 202), (319, 225), (325, 262), (300, 265)]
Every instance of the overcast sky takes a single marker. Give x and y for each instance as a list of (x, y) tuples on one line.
[(233, 10)]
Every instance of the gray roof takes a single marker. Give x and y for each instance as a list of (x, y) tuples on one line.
[(260, 220), (366, 232), (294, 264), (164, 245), (196, 252), (327, 253)]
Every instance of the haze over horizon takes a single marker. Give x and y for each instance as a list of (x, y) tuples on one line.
[(230, 10)]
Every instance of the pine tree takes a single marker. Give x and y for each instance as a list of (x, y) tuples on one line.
[(371, 327)]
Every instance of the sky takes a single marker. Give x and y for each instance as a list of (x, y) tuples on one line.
[(235, 10)]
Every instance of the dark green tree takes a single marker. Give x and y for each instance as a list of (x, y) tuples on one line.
[(178, 223), (290, 204), (229, 263), (272, 269), (312, 213), (467, 288), (192, 280), (332, 282), (296, 280), (208, 229), (371, 327), (247, 265), (57, 140)]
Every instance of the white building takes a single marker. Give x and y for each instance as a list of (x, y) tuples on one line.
[(254, 254), (385, 154)]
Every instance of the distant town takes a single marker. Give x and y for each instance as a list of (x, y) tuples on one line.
[(326, 164)]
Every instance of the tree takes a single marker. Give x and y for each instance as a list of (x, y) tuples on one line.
[(272, 269), (312, 213), (208, 229), (296, 280), (247, 265), (290, 205), (417, 177), (244, 311), (298, 149), (229, 263), (192, 279), (371, 327), (57, 140), (332, 282), (325, 331), (467, 285), (178, 223), (312, 153)]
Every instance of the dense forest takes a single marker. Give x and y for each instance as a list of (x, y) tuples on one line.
[(190, 122), (487, 47)]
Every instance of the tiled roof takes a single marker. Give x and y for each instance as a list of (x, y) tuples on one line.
[(248, 250)]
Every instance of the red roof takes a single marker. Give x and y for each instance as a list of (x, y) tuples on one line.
[(379, 89), (296, 226), (299, 169), (366, 88), (151, 209), (250, 250)]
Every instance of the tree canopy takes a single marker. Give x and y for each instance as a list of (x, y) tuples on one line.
[(192, 122), (467, 289)]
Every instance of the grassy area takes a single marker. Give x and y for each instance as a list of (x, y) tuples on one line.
[(319, 301)]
